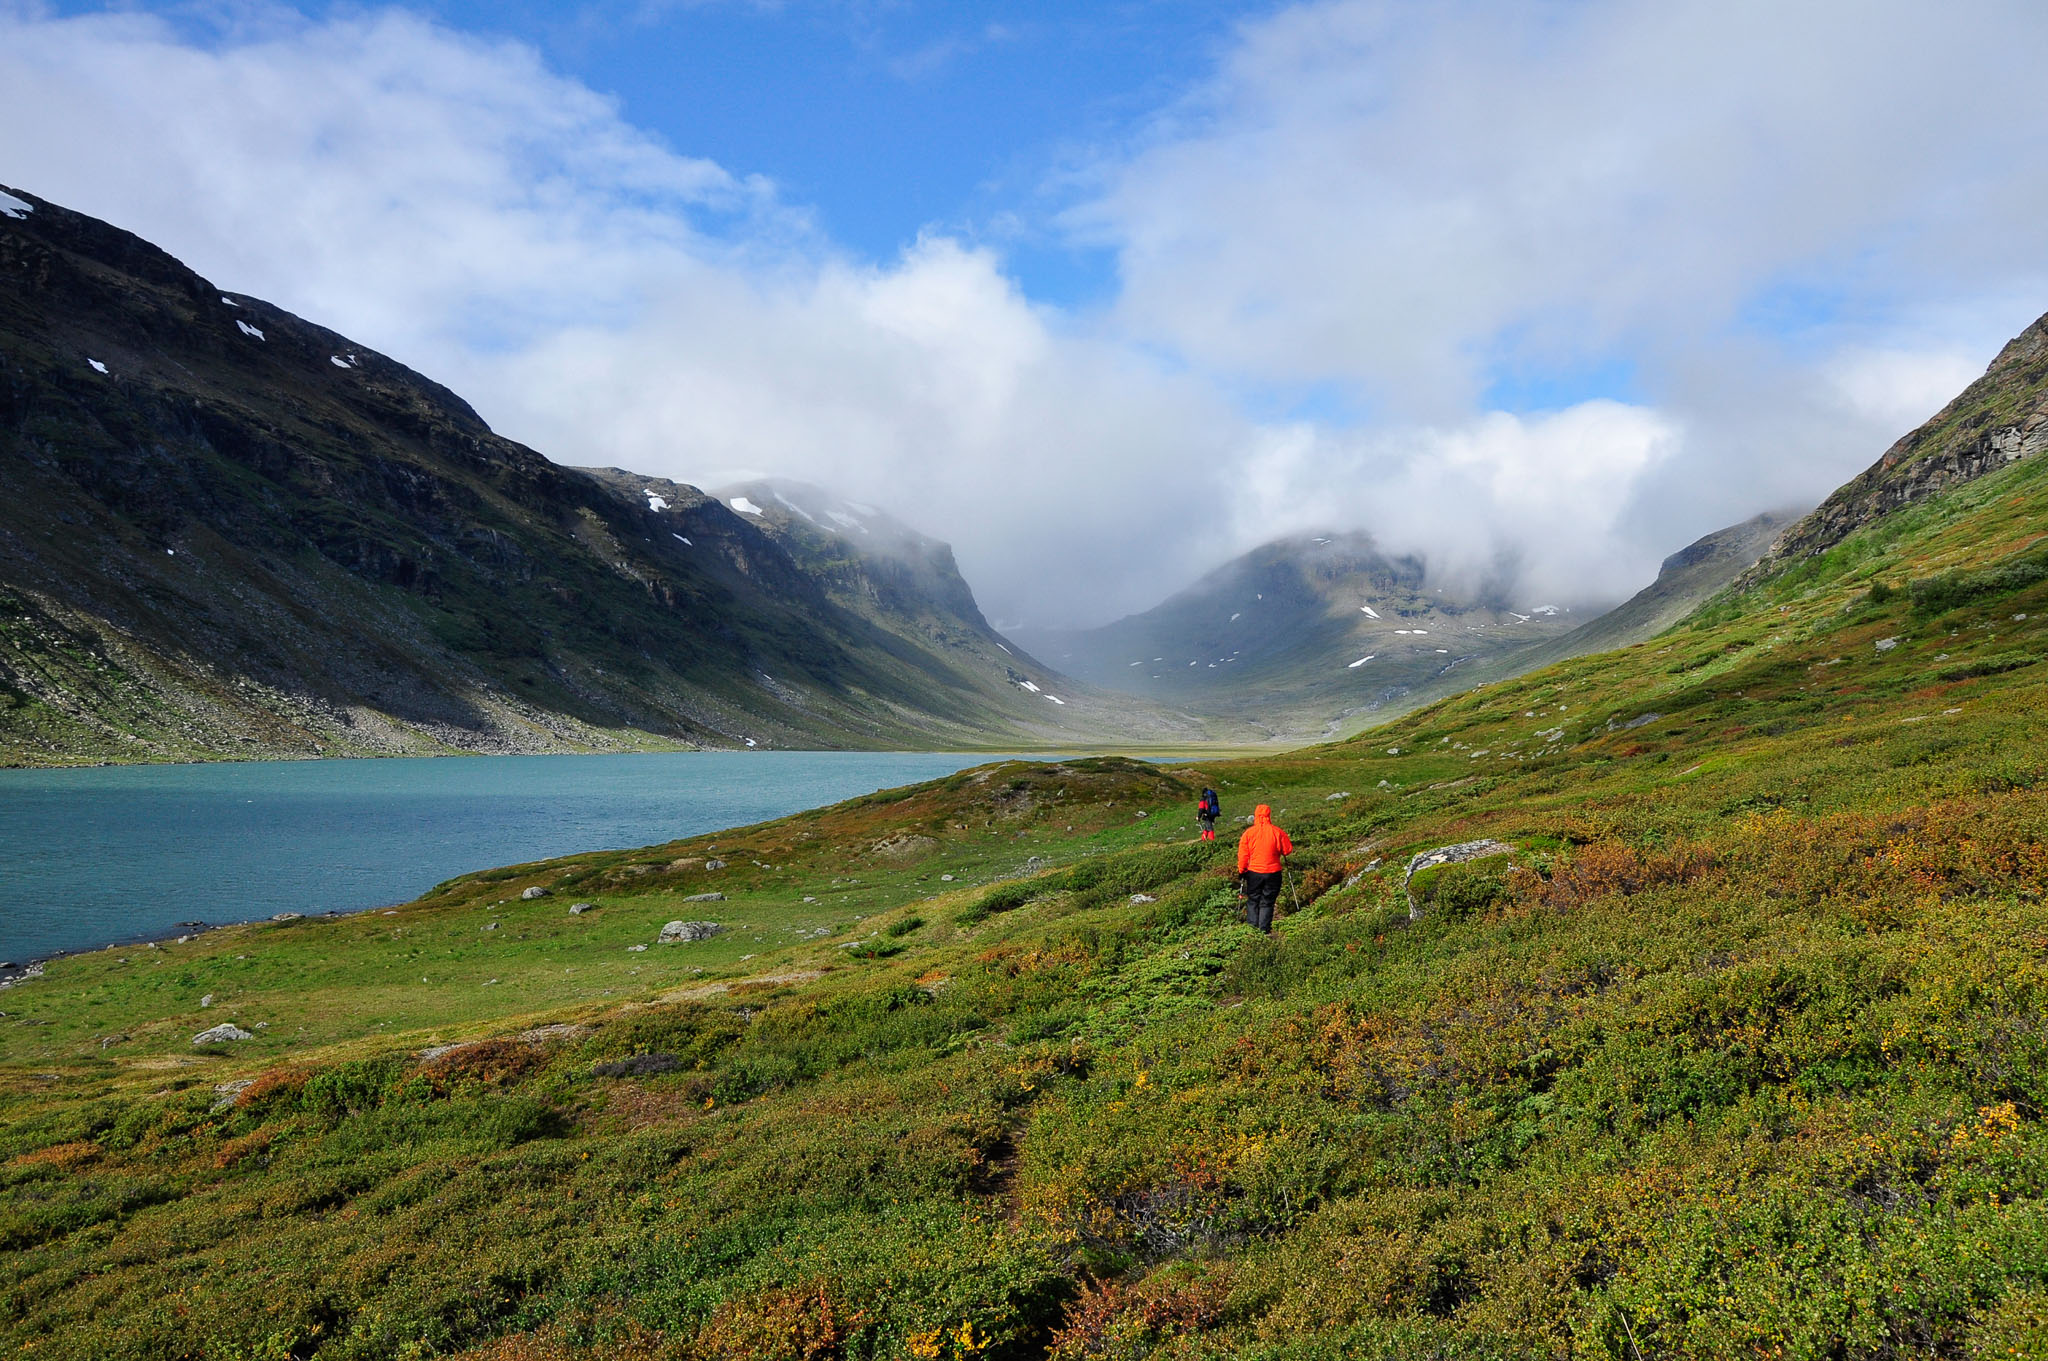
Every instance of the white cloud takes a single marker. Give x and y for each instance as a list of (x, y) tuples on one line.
[(1748, 204), (1800, 226), (454, 204), (1472, 497), (1900, 388)]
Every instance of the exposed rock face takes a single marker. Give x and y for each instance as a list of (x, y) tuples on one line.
[(638, 1065), (1999, 419), (678, 933), (226, 1093), (705, 898), (1462, 853), (905, 848)]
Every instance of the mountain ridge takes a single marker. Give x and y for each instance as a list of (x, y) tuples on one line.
[(1311, 632), (234, 532)]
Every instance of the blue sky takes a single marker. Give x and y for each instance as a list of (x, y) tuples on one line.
[(885, 117), (1105, 293)]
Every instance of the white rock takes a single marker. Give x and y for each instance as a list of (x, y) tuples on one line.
[(535, 892), (222, 1033)]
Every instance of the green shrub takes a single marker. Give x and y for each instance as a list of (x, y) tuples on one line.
[(1940, 594), (1996, 664), (904, 927), (1459, 891), (346, 1088)]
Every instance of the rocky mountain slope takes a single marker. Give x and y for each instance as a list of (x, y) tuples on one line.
[(1310, 634), (1996, 420), (229, 531), (1685, 581)]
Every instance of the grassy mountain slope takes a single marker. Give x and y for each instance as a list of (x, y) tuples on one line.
[(1741, 1051), (2000, 418), (1281, 637), (1685, 581), (228, 531)]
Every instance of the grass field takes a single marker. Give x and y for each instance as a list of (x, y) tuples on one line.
[(1743, 1051)]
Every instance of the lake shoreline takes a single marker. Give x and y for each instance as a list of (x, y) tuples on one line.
[(92, 857)]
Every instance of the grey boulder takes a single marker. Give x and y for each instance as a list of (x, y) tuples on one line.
[(222, 1033), (676, 933), (1459, 854)]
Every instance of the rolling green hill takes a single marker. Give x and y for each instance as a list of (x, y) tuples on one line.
[(1740, 1048)]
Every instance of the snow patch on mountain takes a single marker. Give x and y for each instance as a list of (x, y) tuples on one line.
[(1361, 661), (744, 506), (247, 329), (654, 501), (97, 366), (1369, 611), (14, 207)]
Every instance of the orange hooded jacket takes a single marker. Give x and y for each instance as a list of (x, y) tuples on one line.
[(1260, 848)]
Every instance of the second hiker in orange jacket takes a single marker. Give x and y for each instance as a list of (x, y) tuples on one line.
[(1260, 853)]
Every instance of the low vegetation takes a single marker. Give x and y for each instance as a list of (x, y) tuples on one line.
[(1741, 1051)]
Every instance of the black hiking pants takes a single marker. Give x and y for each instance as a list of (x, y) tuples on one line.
[(1261, 892)]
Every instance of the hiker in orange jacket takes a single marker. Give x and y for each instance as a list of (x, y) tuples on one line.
[(1259, 863)]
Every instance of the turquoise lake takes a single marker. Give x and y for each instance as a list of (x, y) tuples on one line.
[(111, 854)]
